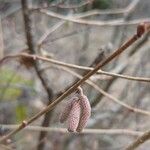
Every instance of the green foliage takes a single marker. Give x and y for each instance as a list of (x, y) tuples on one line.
[(8, 78), (102, 4), (21, 113)]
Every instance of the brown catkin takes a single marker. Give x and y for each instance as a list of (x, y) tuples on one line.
[(64, 115), (74, 116), (85, 112)]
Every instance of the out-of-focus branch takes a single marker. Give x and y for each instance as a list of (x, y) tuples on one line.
[(59, 63), (85, 131), (73, 66), (115, 22), (140, 140), (51, 30), (119, 34), (141, 29), (30, 43), (124, 11), (95, 86)]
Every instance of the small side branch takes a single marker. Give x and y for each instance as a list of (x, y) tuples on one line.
[(140, 140)]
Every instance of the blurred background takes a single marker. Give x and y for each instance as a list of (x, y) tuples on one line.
[(94, 30)]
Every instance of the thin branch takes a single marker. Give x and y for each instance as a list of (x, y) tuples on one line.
[(30, 43), (125, 10), (85, 131), (94, 85), (115, 22), (73, 66), (50, 31), (140, 140), (97, 88), (56, 62), (117, 52)]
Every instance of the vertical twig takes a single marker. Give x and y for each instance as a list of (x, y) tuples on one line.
[(30, 43)]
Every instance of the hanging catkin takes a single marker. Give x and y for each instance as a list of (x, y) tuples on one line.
[(77, 111), (74, 116), (64, 115), (85, 112)]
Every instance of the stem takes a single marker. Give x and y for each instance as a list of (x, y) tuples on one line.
[(143, 138)]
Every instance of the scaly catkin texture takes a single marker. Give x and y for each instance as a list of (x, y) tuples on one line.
[(85, 112), (64, 115), (74, 116)]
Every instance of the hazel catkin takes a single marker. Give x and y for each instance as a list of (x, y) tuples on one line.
[(74, 116), (64, 115), (85, 112)]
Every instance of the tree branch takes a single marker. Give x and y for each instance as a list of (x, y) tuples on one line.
[(128, 43)]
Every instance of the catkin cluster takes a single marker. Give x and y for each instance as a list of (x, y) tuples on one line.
[(76, 112)]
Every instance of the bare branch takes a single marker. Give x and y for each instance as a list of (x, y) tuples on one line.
[(85, 131), (140, 140), (118, 22), (117, 52)]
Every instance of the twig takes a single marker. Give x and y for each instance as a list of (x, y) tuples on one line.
[(140, 140), (94, 85), (125, 10), (51, 30), (73, 66), (85, 131), (99, 89), (56, 62), (129, 42), (119, 35), (118, 22), (30, 43)]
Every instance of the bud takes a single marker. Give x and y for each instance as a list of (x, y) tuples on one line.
[(85, 112), (74, 116), (64, 115)]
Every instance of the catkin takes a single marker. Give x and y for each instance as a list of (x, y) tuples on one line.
[(64, 115), (77, 111), (85, 112), (74, 116)]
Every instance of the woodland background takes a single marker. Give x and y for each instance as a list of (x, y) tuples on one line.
[(22, 94)]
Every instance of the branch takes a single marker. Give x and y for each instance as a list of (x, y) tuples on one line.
[(85, 131), (73, 66), (30, 43), (126, 10), (118, 22), (95, 86), (129, 42), (59, 63), (140, 140), (51, 30)]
